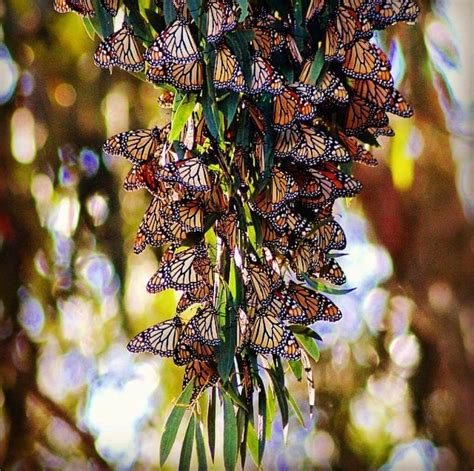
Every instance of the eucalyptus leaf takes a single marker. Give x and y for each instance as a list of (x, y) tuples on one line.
[(181, 115), (187, 447), (309, 345), (173, 422), (200, 449), (230, 435)]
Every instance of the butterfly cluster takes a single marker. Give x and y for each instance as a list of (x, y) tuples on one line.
[(242, 197)]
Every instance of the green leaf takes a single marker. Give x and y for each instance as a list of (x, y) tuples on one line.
[(187, 448), (271, 412), (252, 443), (262, 420), (281, 398), (211, 423), (243, 424), (295, 407), (173, 422), (229, 107), (309, 345), (200, 448), (239, 43), (89, 28), (243, 9), (299, 30), (195, 8), (181, 115), (102, 21), (303, 330), (230, 435), (155, 20), (169, 11), (320, 287), (209, 108), (316, 66), (296, 368)]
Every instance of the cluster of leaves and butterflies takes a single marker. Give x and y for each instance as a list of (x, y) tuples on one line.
[(272, 104)]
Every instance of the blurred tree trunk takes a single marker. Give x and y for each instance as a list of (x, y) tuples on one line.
[(431, 245)]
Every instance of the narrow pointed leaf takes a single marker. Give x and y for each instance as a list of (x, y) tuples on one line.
[(201, 449), (296, 368), (187, 448), (173, 422), (295, 407), (181, 115), (230, 435), (211, 423), (309, 345)]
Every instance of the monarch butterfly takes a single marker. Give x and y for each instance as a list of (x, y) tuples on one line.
[(282, 188), (190, 215), (261, 280), (202, 328), (317, 147), (382, 76), (356, 151), (273, 240), (136, 146), (221, 18), (306, 307), (81, 7), (226, 229), (240, 165), (143, 176), (397, 104), (161, 339), (302, 259), (257, 117), (215, 201), (387, 13), (331, 89), (191, 173), (175, 44), (329, 236), (201, 295), (315, 7), (309, 146), (186, 76), (262, 75), (270, 335), (361, 114), (180, 270), (372, 91), (203, 374), (111, 6), (285, 109), (383, 131), (267, 41), (333, 46), (361, 60), (246, 383), (330, 270), (243, 329), (120, 49), (187, 351), (157, 228), (344, 185), (227, 71)]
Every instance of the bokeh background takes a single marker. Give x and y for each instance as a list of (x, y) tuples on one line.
[(395, 384)]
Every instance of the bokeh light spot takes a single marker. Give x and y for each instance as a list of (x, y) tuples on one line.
[(23, 143)]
